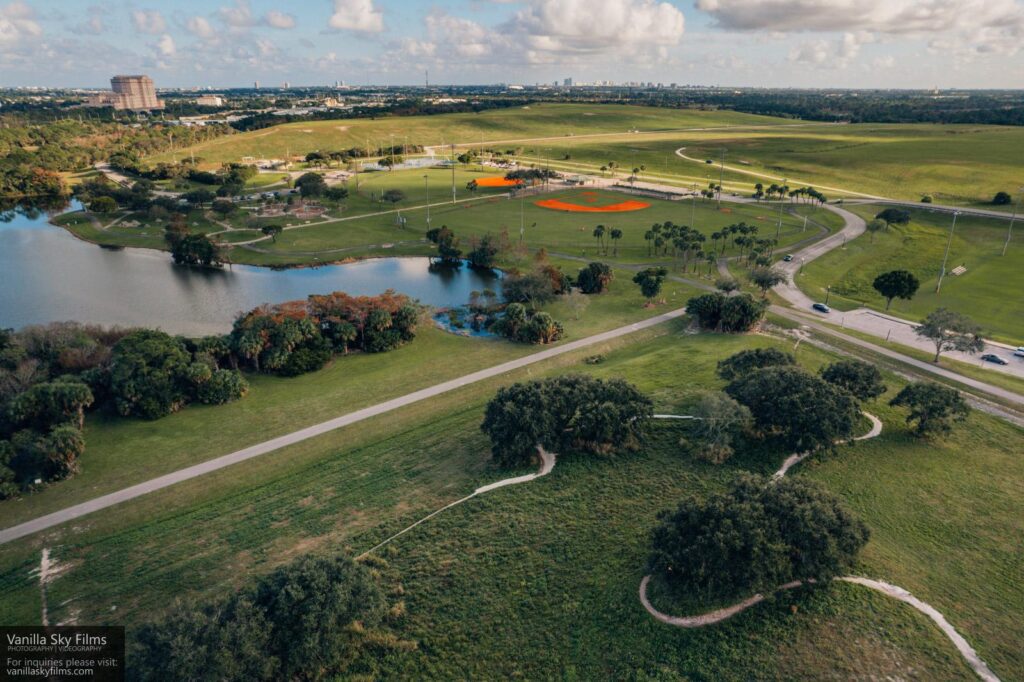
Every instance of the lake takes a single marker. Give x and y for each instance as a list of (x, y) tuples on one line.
[(47, 275)]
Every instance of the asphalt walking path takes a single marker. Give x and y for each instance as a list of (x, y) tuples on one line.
[(103, 502)]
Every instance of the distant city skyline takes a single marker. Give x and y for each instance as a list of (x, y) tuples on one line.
[(741, 43)]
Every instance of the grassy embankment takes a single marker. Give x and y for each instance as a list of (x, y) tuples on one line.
[(540, 580), (121, 452)]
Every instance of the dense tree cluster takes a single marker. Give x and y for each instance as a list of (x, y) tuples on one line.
[(536, 287), (800, 411), (32, 155), (563, 414), (754, 537), (317, 618), (50, 375), (723, 313), (301, 336)]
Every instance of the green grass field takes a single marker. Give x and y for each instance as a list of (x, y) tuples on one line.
[(538, 120), (989, 292), (540, 580), (963, 165), (121, 452)]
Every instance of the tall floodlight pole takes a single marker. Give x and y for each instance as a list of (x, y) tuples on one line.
[(782, 195), (721, 178), (942, 273), (1013, 219), (693, 204), (453, 173), (426, 186)]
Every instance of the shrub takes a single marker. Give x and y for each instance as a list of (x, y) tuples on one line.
[(595, 278), (719, 312), (718, 422), (223, 386)]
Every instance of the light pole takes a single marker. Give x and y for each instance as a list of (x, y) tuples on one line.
[(1013, 219), (942, 273), (782, 196), (721, 177), (522, 215), (453, 172), (828, 292), (693, 204), (426, 187)]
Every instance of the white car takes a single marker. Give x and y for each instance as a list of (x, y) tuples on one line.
[(1019, 352)]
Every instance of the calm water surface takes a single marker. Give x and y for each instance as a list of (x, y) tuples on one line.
[(46, 275)]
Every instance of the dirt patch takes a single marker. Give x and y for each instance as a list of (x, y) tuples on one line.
[(622, 206)]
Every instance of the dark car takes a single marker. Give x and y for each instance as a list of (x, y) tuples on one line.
[(821, 308), (992, 357)]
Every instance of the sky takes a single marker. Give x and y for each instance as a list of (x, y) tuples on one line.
[(761, 43)]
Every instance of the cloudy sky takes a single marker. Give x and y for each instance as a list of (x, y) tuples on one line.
[(802, 43)]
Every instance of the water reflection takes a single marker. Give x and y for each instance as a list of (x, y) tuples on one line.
[(46, 274)]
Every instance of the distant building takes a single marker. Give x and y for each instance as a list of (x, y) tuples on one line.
[(132, 93), (567, 83), (255, 85), (210, 100)]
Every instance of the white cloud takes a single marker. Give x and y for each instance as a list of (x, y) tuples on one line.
[(628, 29), (964, 27), (200, 27), (17, 21), (148, 21), (276, 19), (356, 15), (165, 46), (238, 15)]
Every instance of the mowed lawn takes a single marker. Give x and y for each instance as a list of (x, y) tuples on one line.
[(121, 452), (492, 126), (989, 291), (540, 580), (555, 230), (964, 165)]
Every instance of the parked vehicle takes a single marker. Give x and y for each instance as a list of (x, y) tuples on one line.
[(788, 257), (821, 308), (992, 357)]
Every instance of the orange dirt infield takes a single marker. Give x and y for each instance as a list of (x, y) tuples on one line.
[(496, 181), (620, 207)]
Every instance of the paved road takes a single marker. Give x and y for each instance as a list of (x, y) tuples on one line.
[(167, 480)]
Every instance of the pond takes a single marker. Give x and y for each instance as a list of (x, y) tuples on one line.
[(47, 275)]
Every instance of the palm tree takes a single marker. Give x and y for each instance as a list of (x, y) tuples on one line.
[(599, 235), (711, 257), (616, 235), (649, 237)]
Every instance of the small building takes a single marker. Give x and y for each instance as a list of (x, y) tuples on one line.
[(210, 100)]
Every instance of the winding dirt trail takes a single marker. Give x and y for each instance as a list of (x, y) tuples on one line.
[(547, 463), (717, 616)]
